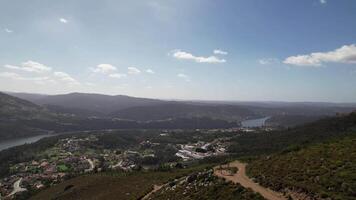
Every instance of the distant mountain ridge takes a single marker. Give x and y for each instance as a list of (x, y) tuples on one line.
[(94, 104), (15, 108), (21, 118), (145, 109), (182, 109)]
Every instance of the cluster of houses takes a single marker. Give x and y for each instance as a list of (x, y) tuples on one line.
[(76, 155), (49, 168), (202, 150)]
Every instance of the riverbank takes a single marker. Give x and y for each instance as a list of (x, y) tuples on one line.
[(6, 144), (254, 123)]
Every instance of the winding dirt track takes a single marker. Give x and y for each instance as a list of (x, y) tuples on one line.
[(155, 189), (241, 178)]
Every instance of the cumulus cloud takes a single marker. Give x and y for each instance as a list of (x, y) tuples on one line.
[(183, 76), (62, 20), (15, 76), (117, 75), (10, 75), (323, 1), (8, 30), (181, 55), (268, 61), (104, 69), (62, 76), (133, 70), (89, 84), (218, 51), (344, 54), (150, 71), (111, 71), (47, 77), (30, 66)]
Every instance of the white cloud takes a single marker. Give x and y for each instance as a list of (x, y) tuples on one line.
[(35, 66), (323, 1), (181, 55), (62, 76), (150, 71), (344, 54), (62, 20), (104, 69), (30, 66), (268, 61), (218, 51), (111, 70), (8, 30), (10, 75), (133, 70), (117, 75), (184, 76), (90, 84), (16, 76), (13, 67)]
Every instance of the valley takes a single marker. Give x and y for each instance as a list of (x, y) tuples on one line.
[(109, 151), (177, 100)]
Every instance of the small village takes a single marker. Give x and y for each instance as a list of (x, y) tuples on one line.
[(73, 156)]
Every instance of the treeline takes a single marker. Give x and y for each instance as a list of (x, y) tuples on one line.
[(21, 128)]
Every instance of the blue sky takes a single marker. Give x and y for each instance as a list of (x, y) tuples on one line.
[(281, 50)]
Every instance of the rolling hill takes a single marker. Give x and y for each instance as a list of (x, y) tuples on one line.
[(184, 110), (13, 108), (293, 138), (322, 171), (143, 109), (13, 111), (87, 104)]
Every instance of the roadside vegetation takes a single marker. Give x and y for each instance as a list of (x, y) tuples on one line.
[(204, 186)]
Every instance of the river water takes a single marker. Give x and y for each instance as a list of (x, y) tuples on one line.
[(16, 142), (253, 123)]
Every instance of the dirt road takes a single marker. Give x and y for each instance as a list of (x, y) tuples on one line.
[(241, 178), (155, 189)]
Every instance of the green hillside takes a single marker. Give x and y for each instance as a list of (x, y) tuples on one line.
[(13, 108), (288, 139), (323, 170), (14, 112)]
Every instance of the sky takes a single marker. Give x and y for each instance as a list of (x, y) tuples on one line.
[(243, 50)]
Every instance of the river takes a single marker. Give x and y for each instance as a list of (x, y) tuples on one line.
[(253, 123), (16, 142)]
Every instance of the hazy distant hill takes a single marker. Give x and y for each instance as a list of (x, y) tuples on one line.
[(125, 107), (182, 109), (21, 118), (14, 111), (83, 103), (13, 108)]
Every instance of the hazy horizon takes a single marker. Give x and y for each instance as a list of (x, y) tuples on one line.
[(196, 100), (291, 51)]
